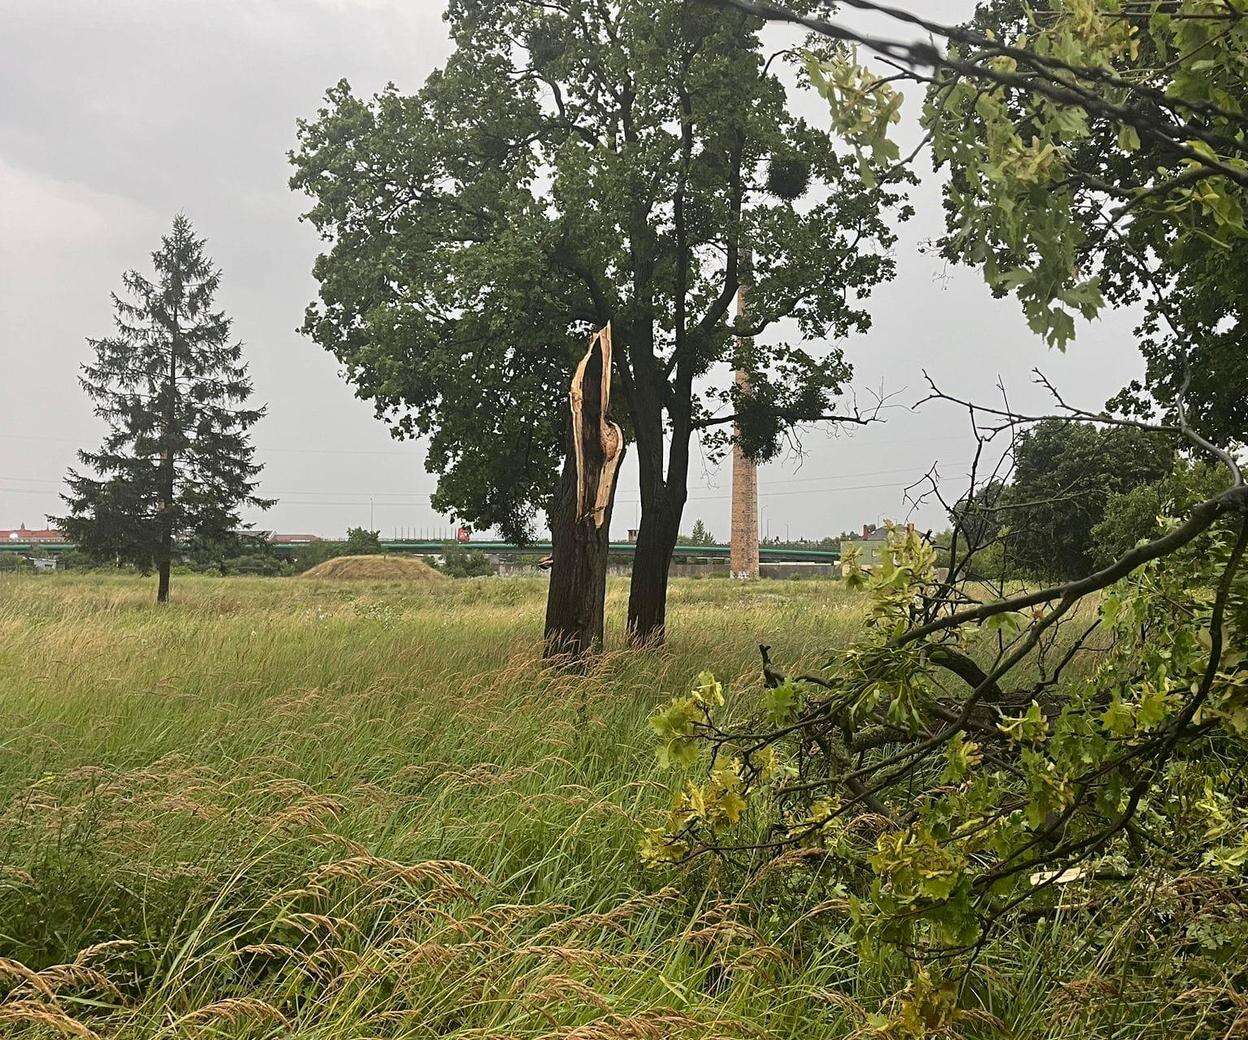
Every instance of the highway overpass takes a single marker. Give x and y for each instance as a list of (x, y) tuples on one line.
[(768, 553)]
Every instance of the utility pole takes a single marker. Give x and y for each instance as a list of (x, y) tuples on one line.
[(743, 542)]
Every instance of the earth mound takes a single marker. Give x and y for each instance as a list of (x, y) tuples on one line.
[(375, 568)]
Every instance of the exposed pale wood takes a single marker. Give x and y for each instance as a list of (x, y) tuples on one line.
[(594, 490), (580, 513)]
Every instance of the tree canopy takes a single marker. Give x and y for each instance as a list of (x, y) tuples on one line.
[(576, 164), (1065, 476), (698, 535), (1095, 151)]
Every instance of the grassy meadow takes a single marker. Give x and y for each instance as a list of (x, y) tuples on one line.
[(338, 810)]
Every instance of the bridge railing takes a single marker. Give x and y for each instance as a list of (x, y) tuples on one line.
[(771, 553)]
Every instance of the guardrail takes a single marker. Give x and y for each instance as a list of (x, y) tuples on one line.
[(767, 553)]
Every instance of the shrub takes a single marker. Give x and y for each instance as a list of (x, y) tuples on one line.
[(967, 762), (466, 563), (359, 542)]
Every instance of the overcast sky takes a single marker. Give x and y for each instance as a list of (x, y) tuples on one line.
[(116, 114)]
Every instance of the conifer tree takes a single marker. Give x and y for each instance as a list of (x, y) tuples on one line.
[(176, 463)]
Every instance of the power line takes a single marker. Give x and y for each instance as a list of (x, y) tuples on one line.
[(413, 498), (803, 491), (287, 502), (259, 447), (408, 454), (374, 491)]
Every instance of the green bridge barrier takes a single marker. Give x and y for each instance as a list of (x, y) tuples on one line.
[(769, 553)]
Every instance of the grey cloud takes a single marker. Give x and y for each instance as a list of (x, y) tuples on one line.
[(115, 115)]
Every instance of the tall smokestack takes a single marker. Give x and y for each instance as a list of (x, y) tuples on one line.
[(743, 545)]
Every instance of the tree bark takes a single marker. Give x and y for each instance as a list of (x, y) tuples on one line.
[(576, 600), (580, 517), (662, 507), (162, 586), (647, 595), (164, 562)]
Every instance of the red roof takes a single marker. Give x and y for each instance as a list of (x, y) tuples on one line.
[(23, 534)]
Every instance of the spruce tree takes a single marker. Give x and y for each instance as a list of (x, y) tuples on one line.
[(176, 464)]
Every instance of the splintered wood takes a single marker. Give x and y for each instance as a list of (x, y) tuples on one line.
[(598, 442)]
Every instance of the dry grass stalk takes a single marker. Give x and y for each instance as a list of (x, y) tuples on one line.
[(34, 1013), (308, 923), (233, 1011), (448, 876), (309, 811), (657, 1024), (54, 980), (15, 876), (557, 987), (27, 977), (592, 957)]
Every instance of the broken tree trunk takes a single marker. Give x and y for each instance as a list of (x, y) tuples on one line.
[(580, 516)]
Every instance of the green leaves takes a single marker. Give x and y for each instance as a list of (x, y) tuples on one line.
[(1009, 623), (1118, 718), (676, 723), (919, 876), (1029, 728), (674, 726), (708, 691), (961, 756), (1156, 704), (864, 108), (782, 701)]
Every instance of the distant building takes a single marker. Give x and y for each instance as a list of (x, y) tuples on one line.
[(870, 544), (46, 535), (294, 539)]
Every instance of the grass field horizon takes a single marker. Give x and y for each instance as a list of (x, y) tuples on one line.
[(315, 809)]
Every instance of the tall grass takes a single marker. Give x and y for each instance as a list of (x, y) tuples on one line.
[(351, 810)]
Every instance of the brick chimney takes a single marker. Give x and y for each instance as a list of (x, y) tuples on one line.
[(743, 543)]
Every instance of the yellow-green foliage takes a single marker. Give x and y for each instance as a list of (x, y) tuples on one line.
[(934, 839)]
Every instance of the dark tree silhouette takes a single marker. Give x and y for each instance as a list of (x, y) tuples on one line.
[(176, 463)]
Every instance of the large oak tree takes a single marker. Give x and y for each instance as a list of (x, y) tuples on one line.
[(577, 163)]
